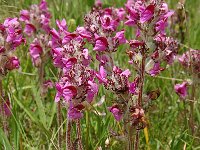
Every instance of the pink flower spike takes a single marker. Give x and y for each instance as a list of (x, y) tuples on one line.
[(147, 14), (181, 89)]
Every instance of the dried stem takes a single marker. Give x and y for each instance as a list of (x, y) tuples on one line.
[(68, 136), (87, 130), (79, 137), (137, 140), (59, 117)]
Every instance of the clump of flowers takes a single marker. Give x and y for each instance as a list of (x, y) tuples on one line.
[(76, 85), (191, 60), (36, 27), (10, 38), (150, 52)]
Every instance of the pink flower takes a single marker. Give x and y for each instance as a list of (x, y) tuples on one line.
[(57, 57), (65, 91), (13, 63), (43, 5), (35, 52), (116, 112), (74, 112), (121, 13), (24, 15), (101, 44), (68, 63), (181, 89), (120, 37), (133, 87), (126, 73), (93, 89), (29, 29), (101, 76), (84, 33), (62, 25), (147, 14), (156, 69)]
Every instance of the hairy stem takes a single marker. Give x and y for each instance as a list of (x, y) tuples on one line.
[(137, 140), (79, 137), (59, 117), (68, 136), (141, 84), (87, 130)]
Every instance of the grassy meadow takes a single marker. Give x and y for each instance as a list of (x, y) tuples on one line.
[(33, 123)]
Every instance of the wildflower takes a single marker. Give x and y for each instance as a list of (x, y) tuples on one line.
[(181, 89), (191, 59), (117, 113)]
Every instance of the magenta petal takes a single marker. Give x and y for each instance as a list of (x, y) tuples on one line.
[(147, 14), (116, 112), (181, 89), (101, 44)]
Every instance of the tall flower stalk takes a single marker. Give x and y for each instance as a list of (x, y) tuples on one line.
[(76, 86), (10, 38), (36, 22)]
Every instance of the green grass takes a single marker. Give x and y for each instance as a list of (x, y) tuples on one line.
[(33, 124)]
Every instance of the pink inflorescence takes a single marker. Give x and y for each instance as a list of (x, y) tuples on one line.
[(36, 26), (191, 60), (76, 84), (150, 20), (10, 38)]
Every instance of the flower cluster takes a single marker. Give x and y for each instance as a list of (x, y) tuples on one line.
[(10, 38), (150, 20), (37, 21), (101, 25), (76, 84), (191, 60)]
